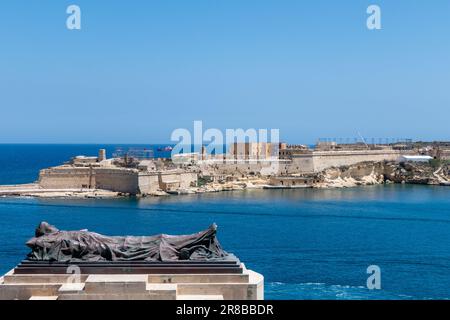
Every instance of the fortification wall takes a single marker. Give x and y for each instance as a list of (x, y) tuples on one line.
[(326, 159), (445, 154), (299, 164), (240, 168), (66, 178), (188, 179), (312, 162), (185, 179), (148, 182), (114, 179), (118, 180)]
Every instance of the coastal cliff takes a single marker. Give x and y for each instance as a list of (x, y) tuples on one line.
[(370, 173), (364, 173)]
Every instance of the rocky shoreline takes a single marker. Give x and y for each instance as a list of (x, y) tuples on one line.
[(370, 173)]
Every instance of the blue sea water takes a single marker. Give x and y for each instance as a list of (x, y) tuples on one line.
[(308, 244)]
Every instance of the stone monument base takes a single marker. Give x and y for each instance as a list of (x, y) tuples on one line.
[(22, 285)]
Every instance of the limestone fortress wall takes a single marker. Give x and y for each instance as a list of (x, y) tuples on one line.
[(123, 180), (66, 178), (119, 180), (327, 159), (307, 162)]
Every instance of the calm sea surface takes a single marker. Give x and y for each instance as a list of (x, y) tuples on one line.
[(308, 244)]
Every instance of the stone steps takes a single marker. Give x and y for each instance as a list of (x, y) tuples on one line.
[(152, 278), (71, 288), (99, 284), (111, 287), (248, 285), (23, 291), (229, 291), (116, 296), (198, 278), (39, 278)]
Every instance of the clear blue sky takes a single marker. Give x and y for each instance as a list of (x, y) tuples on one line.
[(139, 69)]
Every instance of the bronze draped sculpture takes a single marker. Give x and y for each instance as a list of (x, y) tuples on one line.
[(51, 244)]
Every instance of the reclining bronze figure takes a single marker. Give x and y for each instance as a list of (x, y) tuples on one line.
[(51, 244)]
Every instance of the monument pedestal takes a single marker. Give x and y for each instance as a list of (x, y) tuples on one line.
[(32, 283)]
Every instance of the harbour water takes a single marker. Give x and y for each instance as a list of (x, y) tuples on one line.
[(308, 243)]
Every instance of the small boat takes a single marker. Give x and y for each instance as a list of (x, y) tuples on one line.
[(168, 148)]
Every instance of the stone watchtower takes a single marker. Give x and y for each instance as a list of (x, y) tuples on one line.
[(101, 155)]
